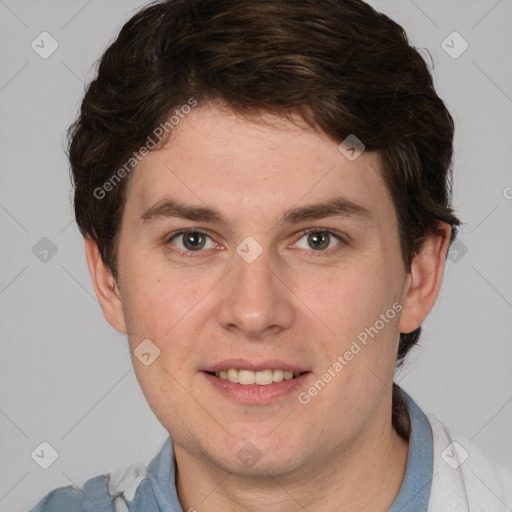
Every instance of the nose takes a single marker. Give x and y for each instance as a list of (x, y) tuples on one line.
[(257, 300)]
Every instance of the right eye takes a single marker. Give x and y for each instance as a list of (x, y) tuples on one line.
[(191, 240)]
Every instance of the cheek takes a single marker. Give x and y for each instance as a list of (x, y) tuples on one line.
[(358, 308), (161, 308), (150, 300)]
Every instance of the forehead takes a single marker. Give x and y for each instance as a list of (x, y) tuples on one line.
[(218, 159)]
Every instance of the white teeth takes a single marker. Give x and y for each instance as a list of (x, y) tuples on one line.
[(264, 377), (246, 377), (277, 375), (261, 378)]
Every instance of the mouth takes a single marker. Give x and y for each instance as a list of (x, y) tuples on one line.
[(259, 378), (250, 383)]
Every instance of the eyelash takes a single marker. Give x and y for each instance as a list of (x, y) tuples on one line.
[(191, 254)]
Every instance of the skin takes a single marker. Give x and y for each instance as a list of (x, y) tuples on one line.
[(295, 302)]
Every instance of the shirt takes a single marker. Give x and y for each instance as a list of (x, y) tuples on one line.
[(415, 490), (438, 478)]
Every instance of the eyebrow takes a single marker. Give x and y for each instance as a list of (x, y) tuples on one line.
[(333, 207)]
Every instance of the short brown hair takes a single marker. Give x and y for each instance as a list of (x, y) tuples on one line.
[(342, 66)]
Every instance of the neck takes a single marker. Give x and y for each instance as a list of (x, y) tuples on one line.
[(366, 476)]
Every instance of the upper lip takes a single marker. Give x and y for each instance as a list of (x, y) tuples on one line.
[(244, 364)]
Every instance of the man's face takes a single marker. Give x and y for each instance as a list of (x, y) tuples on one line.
[(210, 301)]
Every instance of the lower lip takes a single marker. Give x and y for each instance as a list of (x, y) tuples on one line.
[(254, 394)]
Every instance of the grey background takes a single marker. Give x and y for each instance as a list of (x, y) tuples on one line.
[(65, 374)]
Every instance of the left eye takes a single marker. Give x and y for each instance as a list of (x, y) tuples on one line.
[(319, 240), (193, 241)]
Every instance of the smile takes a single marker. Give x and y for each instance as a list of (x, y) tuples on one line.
[(257, 387), (260, 378)]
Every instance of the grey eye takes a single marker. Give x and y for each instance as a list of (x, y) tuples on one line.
[(318, 240)]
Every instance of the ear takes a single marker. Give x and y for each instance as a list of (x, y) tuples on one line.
[(424, 280), (105, 287)]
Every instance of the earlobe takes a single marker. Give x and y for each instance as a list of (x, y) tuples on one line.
[(424, 280), (106, 288)]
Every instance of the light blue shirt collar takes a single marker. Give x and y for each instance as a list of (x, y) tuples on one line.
[(413, 496), (415, 491)]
